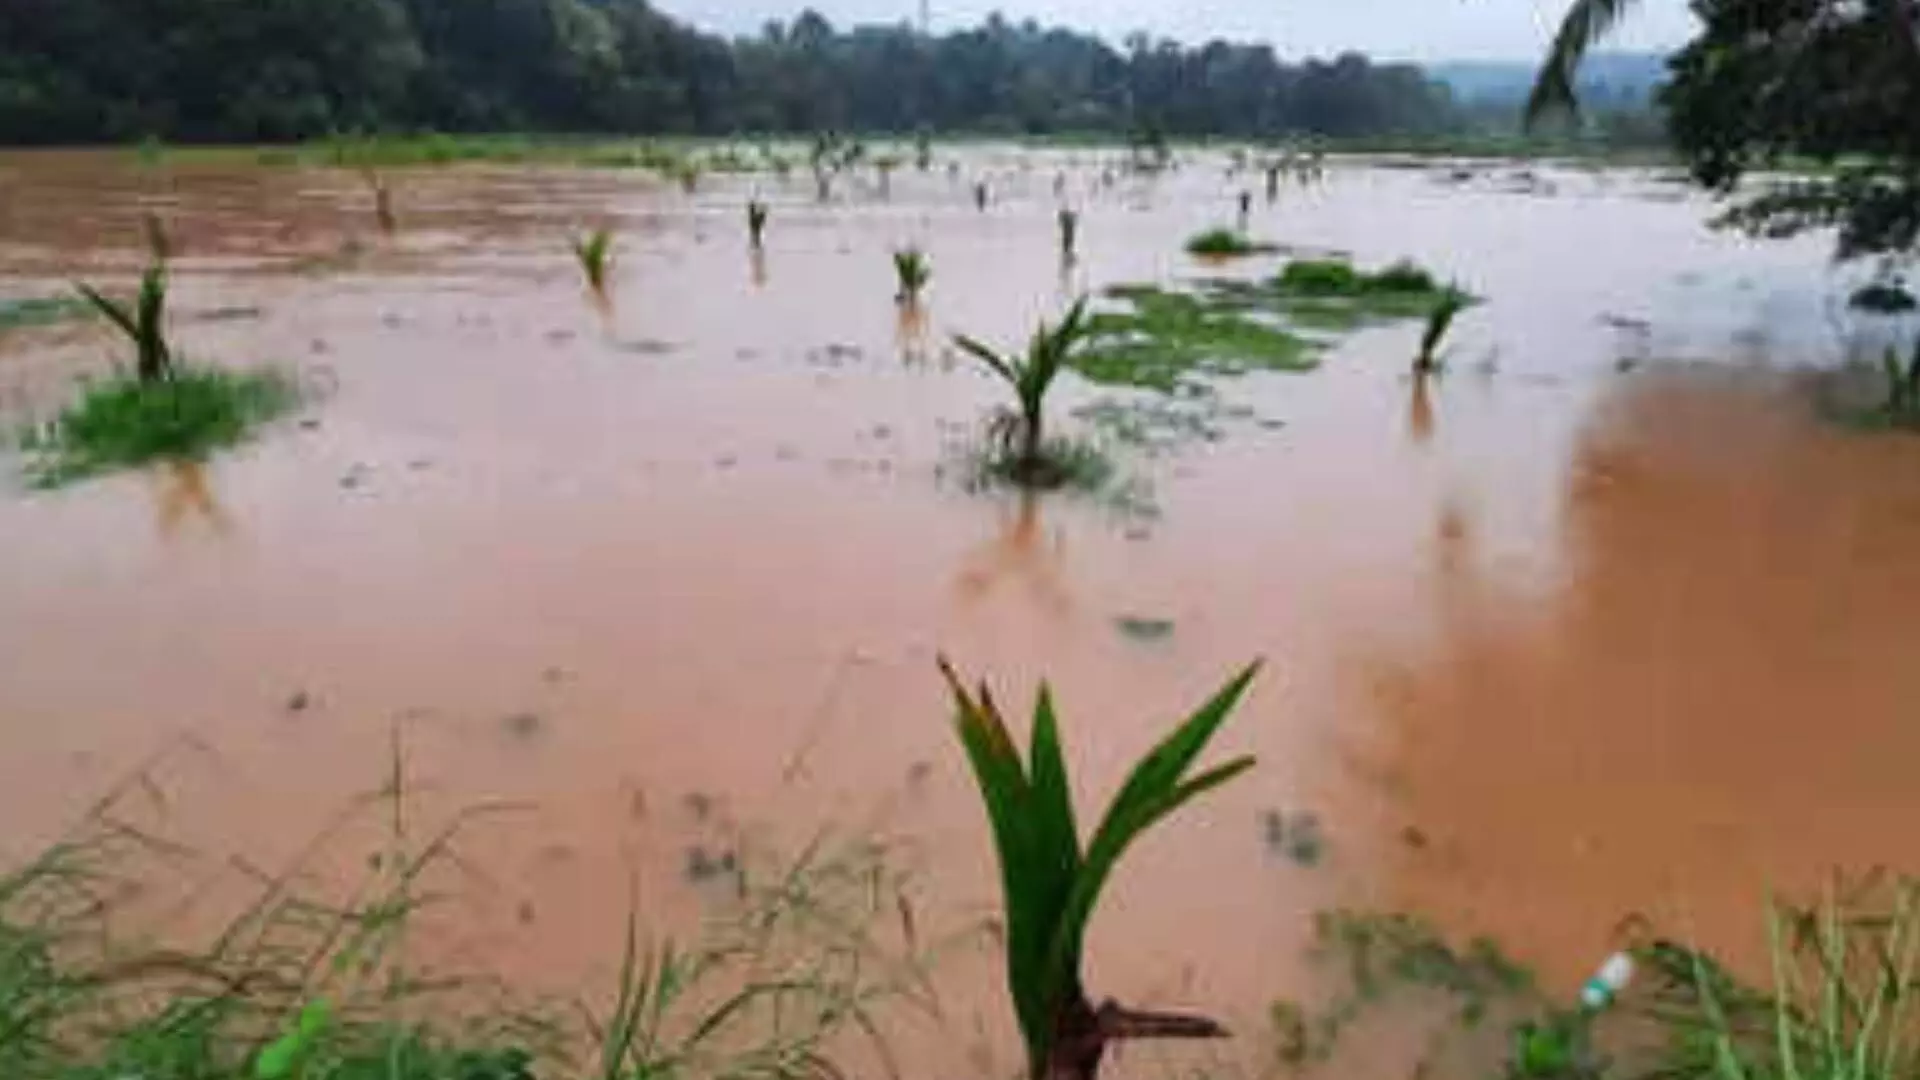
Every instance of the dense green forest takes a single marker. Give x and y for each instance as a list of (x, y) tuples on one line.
[(252, 70)]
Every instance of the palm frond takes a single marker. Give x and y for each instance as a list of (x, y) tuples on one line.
[(1049, 887), (1585, 23)]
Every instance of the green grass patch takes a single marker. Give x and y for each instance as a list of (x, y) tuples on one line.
[(1332, 295), (1226, 244), (308, 977), (21, 313), (123, 422), (1163, 340)]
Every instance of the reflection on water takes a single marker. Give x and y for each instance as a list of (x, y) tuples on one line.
[(182, 497), (1420, 409), (910, 332), (1023, 558), (1718, 681)]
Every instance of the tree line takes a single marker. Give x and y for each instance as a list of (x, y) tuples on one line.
[(269, 70)]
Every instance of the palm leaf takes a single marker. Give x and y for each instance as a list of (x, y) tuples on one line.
[(1153, 791), (1585, 23), (121, 316), (1032, 875), (987, 356), (1049, 888)]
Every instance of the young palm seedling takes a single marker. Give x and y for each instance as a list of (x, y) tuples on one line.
[(595, 252), (143, 322), (1051, 884), (382, 201), (1439, 321), (1021, 433), (756, 222), (911, 270), (1069, 234)]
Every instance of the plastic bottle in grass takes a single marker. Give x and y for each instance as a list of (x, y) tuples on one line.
[(1607, 983)]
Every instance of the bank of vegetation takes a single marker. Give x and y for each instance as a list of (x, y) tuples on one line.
[(76, 71)]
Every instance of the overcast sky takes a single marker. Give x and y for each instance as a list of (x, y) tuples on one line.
[(1418, 29)]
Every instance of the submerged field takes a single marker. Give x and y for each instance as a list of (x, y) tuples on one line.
[(1610, 617)]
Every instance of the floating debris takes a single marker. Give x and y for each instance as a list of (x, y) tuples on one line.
[(1144, 629)]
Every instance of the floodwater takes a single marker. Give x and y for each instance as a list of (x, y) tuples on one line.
[(1608, 619)]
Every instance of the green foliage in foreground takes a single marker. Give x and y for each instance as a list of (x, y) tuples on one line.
[(1051, 885), (1226, 244), (123, 422), (301, 984), (1842, 1003), (42, 311)]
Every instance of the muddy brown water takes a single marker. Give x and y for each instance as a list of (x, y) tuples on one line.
[(1605, 620)]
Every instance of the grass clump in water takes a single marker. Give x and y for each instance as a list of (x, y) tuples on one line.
[(161, 409), (1226, 244), (1389, 957), (1165, 340), (125, 422), (1332, 294)]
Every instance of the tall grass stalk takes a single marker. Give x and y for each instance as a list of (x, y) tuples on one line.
[(1051, 884), (143, 322), (1843, 1003)]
